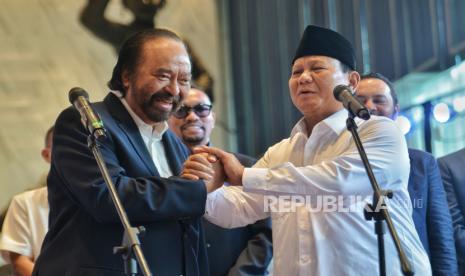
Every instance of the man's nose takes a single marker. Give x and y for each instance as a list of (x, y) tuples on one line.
[(306, 76), (173, 88), (191, 116), (370, 105)]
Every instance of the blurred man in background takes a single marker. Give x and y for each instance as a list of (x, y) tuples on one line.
[(430, 211), (26, 223), (239, 251), (453, 177)]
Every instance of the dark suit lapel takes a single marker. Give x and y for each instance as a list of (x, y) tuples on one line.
[(174, 152), (129, 127)]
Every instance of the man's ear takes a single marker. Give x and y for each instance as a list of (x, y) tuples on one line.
[(396, 109), (125, 78), (46, 154), (354, 79)]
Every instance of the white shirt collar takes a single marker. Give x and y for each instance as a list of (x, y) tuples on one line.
[(335, 122), (156, 131)]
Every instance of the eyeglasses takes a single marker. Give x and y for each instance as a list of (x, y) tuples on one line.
[(201, 110)]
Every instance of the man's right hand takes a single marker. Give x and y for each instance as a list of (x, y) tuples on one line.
[(206, 167)]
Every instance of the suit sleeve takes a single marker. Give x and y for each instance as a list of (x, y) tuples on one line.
[(145, 197), (442, 247), (256, 257), (458, 220)]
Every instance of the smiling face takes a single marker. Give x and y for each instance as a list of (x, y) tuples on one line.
[(311, 86), (193, 129), (159, 81)]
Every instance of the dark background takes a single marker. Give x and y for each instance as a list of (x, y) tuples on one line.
[(393, 37)]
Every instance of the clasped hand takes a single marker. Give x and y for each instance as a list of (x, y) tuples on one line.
[(214, 166)]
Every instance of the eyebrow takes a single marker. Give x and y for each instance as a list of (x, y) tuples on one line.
[(163, 70), (194, 105), (168, 71), (310, 62)]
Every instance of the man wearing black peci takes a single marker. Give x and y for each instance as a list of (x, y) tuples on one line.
[(309, 183)]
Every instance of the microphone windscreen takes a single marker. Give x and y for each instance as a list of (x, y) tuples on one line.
[(338, 90), (76, 92)]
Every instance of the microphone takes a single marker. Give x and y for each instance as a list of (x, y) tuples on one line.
[(79, 98), (345, 94)]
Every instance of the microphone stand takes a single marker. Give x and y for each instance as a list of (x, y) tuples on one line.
[(379, 215), (130, 244)]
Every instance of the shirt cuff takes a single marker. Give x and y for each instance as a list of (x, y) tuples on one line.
[(256, 180), (210, 202)]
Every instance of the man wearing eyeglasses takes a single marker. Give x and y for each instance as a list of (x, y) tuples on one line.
[(194, 121), (239, 251)]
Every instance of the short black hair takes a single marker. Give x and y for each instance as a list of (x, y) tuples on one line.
[(201, 89), (130, 52), (374, 75)]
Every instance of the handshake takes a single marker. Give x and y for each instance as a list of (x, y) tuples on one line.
[(214, 166)]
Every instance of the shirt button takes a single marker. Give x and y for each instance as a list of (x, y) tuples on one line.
[(208, 245), (304, 258)]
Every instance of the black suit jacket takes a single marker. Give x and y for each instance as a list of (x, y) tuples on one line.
[(84, 225), (452, 168), (239, 251), (431, 212)]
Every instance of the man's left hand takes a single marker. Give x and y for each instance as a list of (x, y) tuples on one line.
[(233, 169)]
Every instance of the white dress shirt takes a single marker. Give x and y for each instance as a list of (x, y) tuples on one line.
[(26, 224), (152, 136), (312, 240)]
